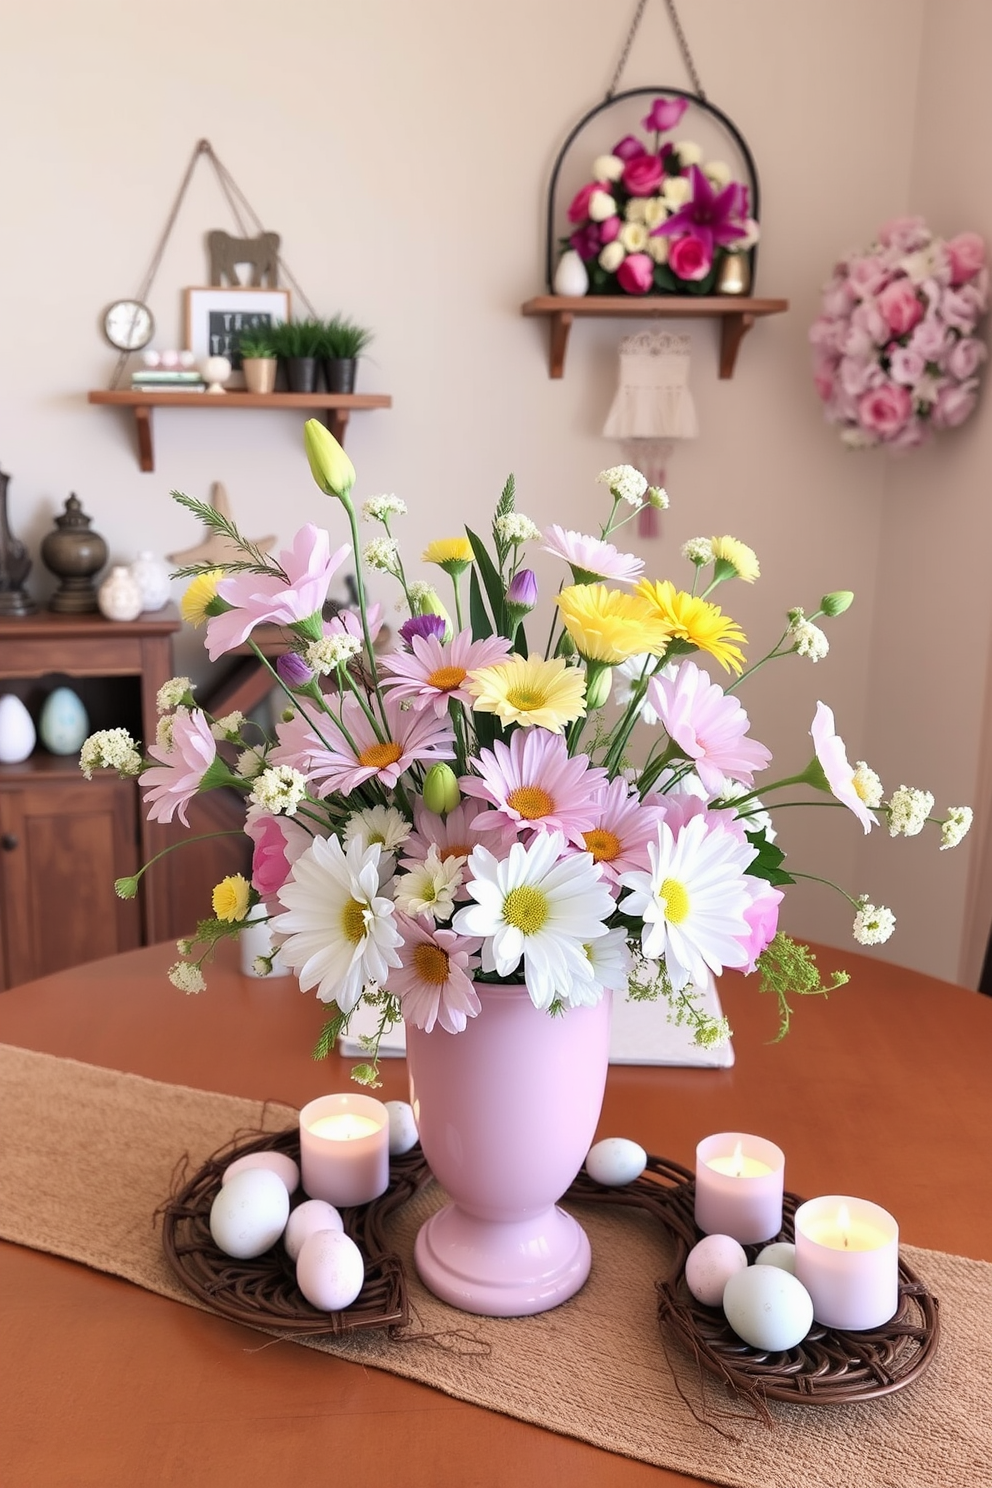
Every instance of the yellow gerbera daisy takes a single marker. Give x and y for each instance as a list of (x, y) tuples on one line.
[(610, 626), (453, 554), (529, 690), (203, 589), (742, 559), (230, 898), (702, 624)]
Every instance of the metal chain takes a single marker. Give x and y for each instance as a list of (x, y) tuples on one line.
[(680, 37)]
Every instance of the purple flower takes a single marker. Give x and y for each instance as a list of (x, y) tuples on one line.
[(627, 148), (293, 670), (426, 626), (522, 592), (665, 113), (586, 241), (709, 215)]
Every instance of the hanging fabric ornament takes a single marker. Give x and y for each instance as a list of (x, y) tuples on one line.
[(652, 407)]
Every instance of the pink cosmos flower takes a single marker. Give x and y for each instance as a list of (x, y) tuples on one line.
[(830, 751), (433, 982), (690, 257), (636, 274), (278, 842), (708, 726), (665, 114), (621, 830), (431, 673), (588, 557), (258, 599), (337, 759), (186, 767), (349, 622), (967, 255), (535, 786)]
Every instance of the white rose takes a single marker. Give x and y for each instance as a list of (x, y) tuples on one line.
[(636, 208), (634, 237), (607, 168), (658, 249), (751, 235), (688, 152), (655, 212), (612, 256), (718, 173), (676, 190), (601, 206)]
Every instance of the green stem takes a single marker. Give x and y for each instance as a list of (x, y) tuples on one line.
[(815, 878)]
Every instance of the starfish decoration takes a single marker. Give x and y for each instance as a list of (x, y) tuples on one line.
[(215, 547)]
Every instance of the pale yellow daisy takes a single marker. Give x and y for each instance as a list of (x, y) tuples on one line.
[(610, 626), (742, 559), (528, 690), (201, 592), (453, 554)]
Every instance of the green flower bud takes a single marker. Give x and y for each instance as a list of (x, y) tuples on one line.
[(599, 680), (429, 603), (441, 793), (837, 602), (330, 466), (126, 888)]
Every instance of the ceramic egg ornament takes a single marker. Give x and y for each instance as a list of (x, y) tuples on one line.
[(276, 1162), (709, 1266), (782, 1254), (571, 277), (17, 732), (249, 1213), (330, 1271), (63, 723), (152, 577), (402, 1127), (768, 1308), (615, 1160), (306, 1220), (119, 597)]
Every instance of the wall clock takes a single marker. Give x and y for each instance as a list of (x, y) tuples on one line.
[(128, 325)]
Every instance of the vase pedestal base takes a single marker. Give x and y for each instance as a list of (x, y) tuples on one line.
[(500, 1269)]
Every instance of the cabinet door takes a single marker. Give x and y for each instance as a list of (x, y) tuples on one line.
[(63, 844)]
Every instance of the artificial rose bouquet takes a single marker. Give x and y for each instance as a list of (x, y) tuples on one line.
[(471, 807), (895, 354), (655, 218)]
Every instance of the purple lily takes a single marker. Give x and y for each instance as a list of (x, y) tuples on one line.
[(712, 216)]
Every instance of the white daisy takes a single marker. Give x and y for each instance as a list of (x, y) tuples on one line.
[(340, 931), (540, 907), (382, 824), (610, 960), (628, 674), (428, 890), (692, 901)]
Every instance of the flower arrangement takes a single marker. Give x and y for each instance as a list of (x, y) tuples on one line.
[(473, 807), (655, 217), (895, 355)]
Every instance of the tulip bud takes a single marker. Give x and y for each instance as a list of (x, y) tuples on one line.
[(293, 670), (837, 602), (441, 793), (329, 465), (522, 593)]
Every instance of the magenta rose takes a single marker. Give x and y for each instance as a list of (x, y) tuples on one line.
[(884, 410), (762, 921), (642, 175), (278, 843), (628, 148), (665, 113), (579, 209), (900, 305), (966, 357), (636, 274), (690, 258), (967, 254), (587, 241), (609, 229), (953, 405)]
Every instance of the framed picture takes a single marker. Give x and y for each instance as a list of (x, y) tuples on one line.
[(216, 319)]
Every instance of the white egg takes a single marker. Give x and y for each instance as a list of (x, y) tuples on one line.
[(615, 1160), (151, 357), (709, 1266), (330, 1271), (276, 1162), (781, 1254), (17, 733), (169, 359), (187, 359), (305, 1220), (249, 1213), (402, 1127), (768, 1308)]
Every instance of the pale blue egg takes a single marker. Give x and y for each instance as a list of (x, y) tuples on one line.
[(63, 724)]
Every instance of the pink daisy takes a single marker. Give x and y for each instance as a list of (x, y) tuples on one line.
[(309, 566), (708, 726), (534, 785), (354, 753), (832, 756), (453, 835), (432, 672), (623, 826), (589, 558), (433, 982), (187, 768)]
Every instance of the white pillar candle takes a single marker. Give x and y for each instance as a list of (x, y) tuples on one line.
[(256, 940), (847, 1258), (739, 1183), (344, 1149)]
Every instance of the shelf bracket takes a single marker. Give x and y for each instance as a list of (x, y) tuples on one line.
[(337, 422), (732, 333), (561, 324), (143, 425)]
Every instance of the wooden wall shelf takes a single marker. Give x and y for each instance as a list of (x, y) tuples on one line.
[(738, 316), (336, 407)]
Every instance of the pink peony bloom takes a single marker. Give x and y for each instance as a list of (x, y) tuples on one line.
[(278, 842), (665, 114), (967, 255), (762, 919), (642, 175), (884, 410), (431, 673), (636, 274), (904, 234), (434, 981), (579, 209), (900, 305), (931, 339), (690, 258), (258, 599), (708, 726), (535, 786), (186, 767), (830, 751), (954, 403), (906, 366), (965, 358), (867, 276)]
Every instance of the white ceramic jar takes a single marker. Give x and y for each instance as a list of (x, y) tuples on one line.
[(152, 577), (119, 596)]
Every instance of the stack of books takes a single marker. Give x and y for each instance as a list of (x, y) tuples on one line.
[(165, 380)]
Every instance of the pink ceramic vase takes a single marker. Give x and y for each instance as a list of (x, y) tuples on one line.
[(506, 1112)]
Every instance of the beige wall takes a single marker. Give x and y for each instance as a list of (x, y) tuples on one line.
[(403, 151)]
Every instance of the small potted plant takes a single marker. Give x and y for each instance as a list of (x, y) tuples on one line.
[(342, 344), (299, 343), (258, 359)]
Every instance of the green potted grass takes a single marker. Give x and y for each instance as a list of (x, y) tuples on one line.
[(258, 359), (342, 344), (298, 344)]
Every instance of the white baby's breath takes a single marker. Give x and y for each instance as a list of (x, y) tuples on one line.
[(187, 977), (171, 693), (908, 811), (625, 483), (330, 652), (109, 749), (873, 924), (279, 789), (515, 528), (956, 826), (381, 508)]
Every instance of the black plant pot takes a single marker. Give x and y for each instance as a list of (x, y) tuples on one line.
[(301, 374), (339, 374)]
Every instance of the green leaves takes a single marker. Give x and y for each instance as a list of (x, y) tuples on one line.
[(768, 863)]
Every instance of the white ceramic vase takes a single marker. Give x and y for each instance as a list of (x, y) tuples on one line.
[(119, 596), (17, 734), (570, 275), (152, 577)]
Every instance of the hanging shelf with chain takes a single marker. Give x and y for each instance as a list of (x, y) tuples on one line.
[(737, 312)]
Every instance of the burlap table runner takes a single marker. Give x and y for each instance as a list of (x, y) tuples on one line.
[(87, 1155)]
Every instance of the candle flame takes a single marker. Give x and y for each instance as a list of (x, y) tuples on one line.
[(737, 1169), (844, 1225)]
